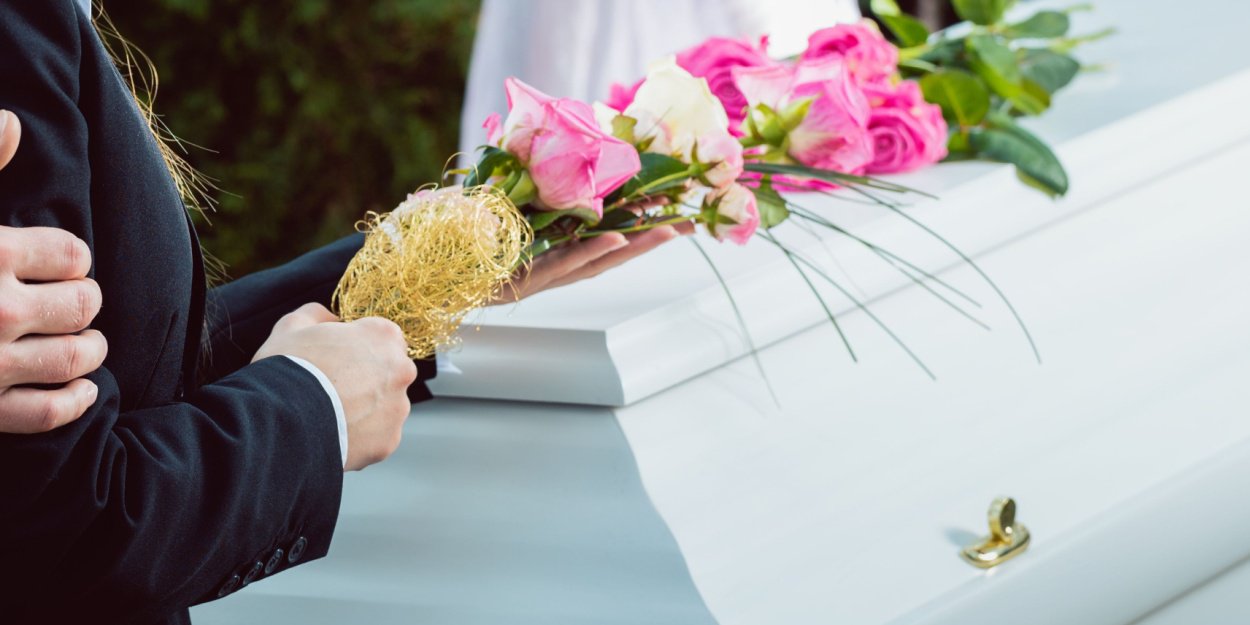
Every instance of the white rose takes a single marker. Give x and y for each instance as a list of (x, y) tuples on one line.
[(676, 109)]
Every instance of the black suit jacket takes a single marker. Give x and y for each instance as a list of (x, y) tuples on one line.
[(185, 481)]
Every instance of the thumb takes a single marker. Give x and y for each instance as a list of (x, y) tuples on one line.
[(10, 135)]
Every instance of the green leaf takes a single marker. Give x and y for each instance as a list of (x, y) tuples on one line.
[(943, 52), (1067, 44), (771, 205), (997, 65), (916, 67), (885, 7), (617, 218), (793, 114), (542, 219), (623, 128), (1007, 142), (654, 167), (983, 12), (1043, 25), (962, 96), (1035, 183), (958, 147), (908, 30), (1034, 99), (766, 124), (521, 188), (1052, 70), (540, 245), (992, 59), (492, 158), (590, 217)]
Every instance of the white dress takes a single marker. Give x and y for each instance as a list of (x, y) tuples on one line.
[(578, 48)]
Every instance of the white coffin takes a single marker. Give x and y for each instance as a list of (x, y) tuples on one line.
[(1128, 449), (663, 483), (665, 318)]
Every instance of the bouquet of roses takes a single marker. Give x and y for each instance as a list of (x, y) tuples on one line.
[(721, 135)]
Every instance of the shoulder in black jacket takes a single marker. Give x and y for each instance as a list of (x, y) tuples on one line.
[(167, 492)]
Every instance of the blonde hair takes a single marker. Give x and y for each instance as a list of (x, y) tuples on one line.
[(140, 76)]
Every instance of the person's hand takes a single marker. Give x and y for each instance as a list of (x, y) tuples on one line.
[(367, 362), (10, 135), (45, 298), (586, 259)]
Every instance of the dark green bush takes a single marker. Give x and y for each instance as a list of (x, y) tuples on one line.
[(310, 112)]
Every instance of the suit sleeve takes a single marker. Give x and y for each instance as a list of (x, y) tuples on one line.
[(139, 514), (131, 516), (240, 314)]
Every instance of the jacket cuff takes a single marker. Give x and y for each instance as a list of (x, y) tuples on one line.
[(317, 479), (324, 477)]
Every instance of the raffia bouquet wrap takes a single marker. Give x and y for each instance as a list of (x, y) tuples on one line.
[(440, 254)]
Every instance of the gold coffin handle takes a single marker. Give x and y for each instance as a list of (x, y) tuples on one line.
[(1007, 538)]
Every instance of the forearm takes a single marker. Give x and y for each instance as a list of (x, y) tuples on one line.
[(141, 513)]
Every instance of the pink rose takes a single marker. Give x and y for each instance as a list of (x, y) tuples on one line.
[(907, 132), (735, 204), (738, 215), (724, 153), (715, 59), (572, 162), (868, 55), (833, 134), (620, 96), (494, 128)]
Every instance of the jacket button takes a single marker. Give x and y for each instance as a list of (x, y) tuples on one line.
[(253, 573), (230, 586), (274, 561), (297, 550)]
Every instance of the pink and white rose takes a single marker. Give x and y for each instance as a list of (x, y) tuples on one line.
[(714, 61), (724, 153), (675, 110), (680, 117), (573, 163), (833, 134), (907, 132), (736, 204), (869, 57)]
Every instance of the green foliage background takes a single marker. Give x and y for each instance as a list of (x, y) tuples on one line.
[(309, 112)]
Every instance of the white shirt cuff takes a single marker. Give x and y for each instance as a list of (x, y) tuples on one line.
[(339, 415)]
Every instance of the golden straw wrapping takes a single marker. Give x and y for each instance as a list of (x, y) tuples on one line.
[(425, 265)]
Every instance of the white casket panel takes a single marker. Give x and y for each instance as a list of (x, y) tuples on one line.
[(1127, 449)]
